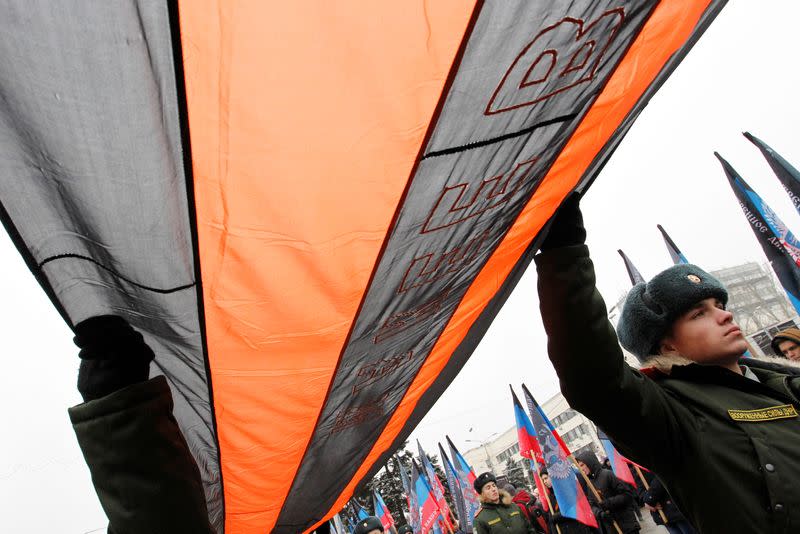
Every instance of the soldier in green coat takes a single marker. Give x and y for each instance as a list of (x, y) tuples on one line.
[(721, 431), (498, 514)]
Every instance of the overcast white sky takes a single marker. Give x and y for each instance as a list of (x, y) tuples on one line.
[(742, 75)]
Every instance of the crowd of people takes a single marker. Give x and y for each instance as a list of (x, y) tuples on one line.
[(617, 510), (720, 431), (506, 509)]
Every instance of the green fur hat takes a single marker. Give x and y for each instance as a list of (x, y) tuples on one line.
[(368, 525), (651, 308), (482, 480)]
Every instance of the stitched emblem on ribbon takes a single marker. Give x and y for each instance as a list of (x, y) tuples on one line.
[(771, 413)]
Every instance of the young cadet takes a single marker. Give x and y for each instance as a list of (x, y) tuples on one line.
[(786, 344), (497, 514), (720, 431)]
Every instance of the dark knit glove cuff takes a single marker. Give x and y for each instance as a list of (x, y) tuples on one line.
[(113, 356), (566, 228)]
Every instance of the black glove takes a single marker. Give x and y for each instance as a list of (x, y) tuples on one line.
[(566, 227), (557, 517), (113, 356)]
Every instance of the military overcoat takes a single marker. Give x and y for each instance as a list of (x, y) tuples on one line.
[(727, 447), (504, 517)]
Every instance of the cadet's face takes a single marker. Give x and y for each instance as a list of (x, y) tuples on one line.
[(790, 349), (490, 492), (584, 468), (706, 334), (546, 481)]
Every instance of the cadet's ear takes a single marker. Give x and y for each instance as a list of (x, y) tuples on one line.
[(667, 347)]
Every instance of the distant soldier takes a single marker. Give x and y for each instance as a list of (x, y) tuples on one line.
[(721, 431), (369, 525), (786, 343), (498, 514)]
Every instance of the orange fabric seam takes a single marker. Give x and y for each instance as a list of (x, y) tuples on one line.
[(611, 107)]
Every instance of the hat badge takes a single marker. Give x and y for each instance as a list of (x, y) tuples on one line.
[(694, 278)]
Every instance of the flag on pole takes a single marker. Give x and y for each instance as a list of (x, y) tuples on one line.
[(436, 485), (411, 497), (337, 526), (674, 252), (429, 510), (466, 479), (633, 272), (360, 512), (452, 482), (786, 173), (572, 501), (526, 435), (382, 511), (779, 244), (528, 446), (538, 414), (619, 464), (351, 526)]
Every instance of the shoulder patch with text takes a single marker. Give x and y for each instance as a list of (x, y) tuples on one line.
[(771, 413)]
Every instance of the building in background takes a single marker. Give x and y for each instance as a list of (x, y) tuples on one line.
[(758, 303), (760, 308), (494, 453)]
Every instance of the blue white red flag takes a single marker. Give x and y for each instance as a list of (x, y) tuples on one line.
[(528, 446), (572, 501), (435, 484), (619, 464), (452, 482), (674, 252), (429, 509), (466, 479), (411, 497), (382, 511), (778, 243), (526, 434)]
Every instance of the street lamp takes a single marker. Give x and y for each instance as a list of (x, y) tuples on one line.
[(482, 443)]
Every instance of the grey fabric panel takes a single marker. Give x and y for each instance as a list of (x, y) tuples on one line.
[(544, 60), (458, 207), (92, 180)]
